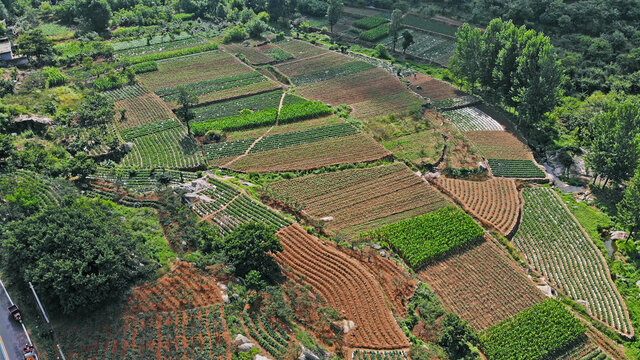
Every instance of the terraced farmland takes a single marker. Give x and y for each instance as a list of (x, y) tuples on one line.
[(495, 201), (346, 285), (143, 180), (472, 119), (557, 246), (358, 200), (48, 191), (516, 168), (178, 316), (481, 285), (141, 110), (172, 148), (499, 145)]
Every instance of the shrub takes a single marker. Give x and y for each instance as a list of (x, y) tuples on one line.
[(145, 67), (234, 34), (256, 27), (214, 136), (382, 52)]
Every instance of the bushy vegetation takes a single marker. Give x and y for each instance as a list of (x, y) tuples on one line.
[(544, 330), (369, 22), (237, 122), (375, 34), (428, 236)]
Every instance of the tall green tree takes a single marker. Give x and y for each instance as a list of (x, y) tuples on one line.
[(187, 99), (614, 147), (466, 61), (407, 40), (78, 255), (456, 336), (95, 14), (629, 208), (492, 43), (248, 248), (395, 26), (334, 12), (35, 46)]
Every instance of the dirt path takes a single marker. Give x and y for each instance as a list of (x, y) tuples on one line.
[(284, 93), (208, 217)]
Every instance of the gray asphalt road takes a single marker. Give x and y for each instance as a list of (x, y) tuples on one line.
[(11, 334)]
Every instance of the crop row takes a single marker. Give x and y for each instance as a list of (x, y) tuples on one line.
[(346, 285), (141, 110), (369, 22), (237, 122), (472, 119), (172, 54), (125, 92), (273, 342), (172, 148), (142, 180), (243, 210), (495, 201), (227, 149), (145, 67), (143, 42), (428, 236), (233, 107), (333, 72), (278, 54), (499, 145), (378, 355), (218, 195), (302, 111), (208, 86), (515, 168), (280, 141), (536, 333), (555, 244), (165, 46), (375, 34), (148, 129), (48, 191)]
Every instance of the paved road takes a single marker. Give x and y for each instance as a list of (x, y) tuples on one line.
[(12, 336)]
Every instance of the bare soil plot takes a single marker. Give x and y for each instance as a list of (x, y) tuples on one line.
[(481, 285), (499, 145), (346, 285), (342, 150), (495, 202), (433, 89), (309, 65), (254, 55), (179, 316), (300, 49), (358, 200), (141, 110)]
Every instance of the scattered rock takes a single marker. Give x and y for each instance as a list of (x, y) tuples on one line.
[(235, 296), (584, 303), (618, 235), (246, 183), (240, 339), (223, 287), (327, 218), (307, 354), (638, 283), (246, 347), (225, 298), (383, 253), (548, 291), (344, 325), (376, 246), (260, 357)]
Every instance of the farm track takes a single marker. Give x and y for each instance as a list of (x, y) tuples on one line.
[(346, 285)]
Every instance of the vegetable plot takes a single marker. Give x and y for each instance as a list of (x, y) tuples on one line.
[(555, 244), (345, 284), (426, 237), (472, 119), (48, 191), (141, 110), (172, 148), (375, 34), (544, 331), (499, 145), (378, 355), (156, 127), (142, 180), (233, 107), (515, 168)]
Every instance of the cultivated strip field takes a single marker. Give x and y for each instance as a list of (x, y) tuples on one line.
[(499, 145), (300, 49), (481, 285), (142, 180), (361, 199), (557, 246), (48, 191), (346, 285), (433, 89), (472, 119), (142, 110), (495, 201), (179, 316), (516, 168), (172, 148), (341, 150)]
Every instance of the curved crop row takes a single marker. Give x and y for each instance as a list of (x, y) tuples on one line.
[(346, 286), (555, 244), (495, 201)]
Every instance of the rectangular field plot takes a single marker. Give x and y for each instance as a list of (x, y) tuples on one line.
[(429, 25), (516, 168), (172, 148), (342, 150), (252, 54), (427, 46), (141, 110), (139, 47), (481, 285), (495, 201), (300, 67), (234, 107), (545, 331), (226, 207), (358, 200), (300, 49), (142, 180), (499, 145), (472, 119), (557, 246), (285, 128), (427, 237), (125, 92), (433, 89)]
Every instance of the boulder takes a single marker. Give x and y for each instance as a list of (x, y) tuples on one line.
[(246, 347), (261, 357), (240, 339), (344, 325), (307, 354), (618, 235), (376, 246), (584, 303)]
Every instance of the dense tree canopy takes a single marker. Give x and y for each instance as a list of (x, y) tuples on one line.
[(629, 208), (78, 255)]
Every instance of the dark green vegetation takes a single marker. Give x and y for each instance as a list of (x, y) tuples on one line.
[(515, 168), (544, 330), (428, 236)]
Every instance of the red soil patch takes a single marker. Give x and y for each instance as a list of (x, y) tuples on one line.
[(346, 285), (496, 202)]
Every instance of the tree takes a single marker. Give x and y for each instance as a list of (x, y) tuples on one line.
[(629, 208), (95, 14), (456, 336), (78, 255), (276, 9), (395, 26), (81, 165), (6, 149), (248, 248), (34, 45), (334, 12), (186, 99), (95, 109), (407, 40), (465, 63), (255, 27)]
